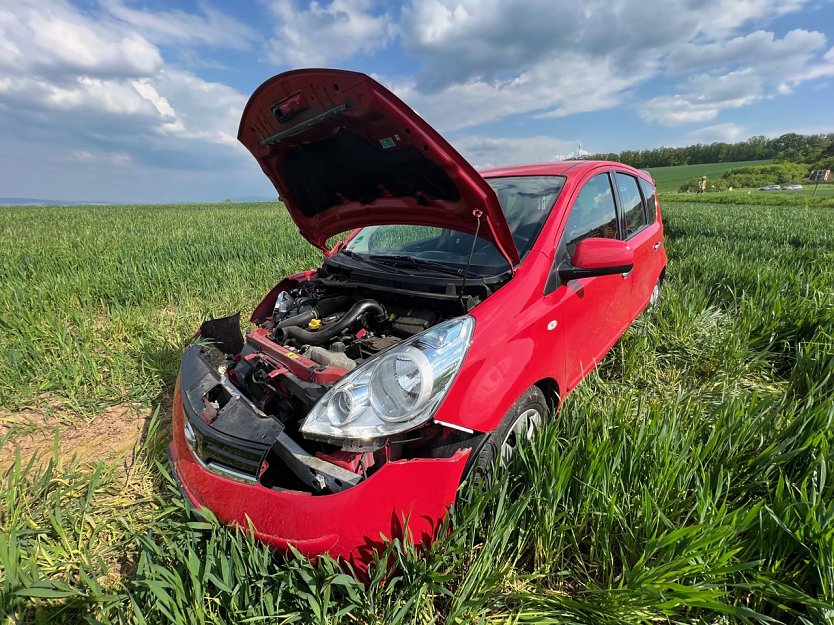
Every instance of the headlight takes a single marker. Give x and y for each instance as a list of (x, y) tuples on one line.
[(394, 392)]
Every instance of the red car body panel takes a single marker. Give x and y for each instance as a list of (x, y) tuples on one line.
[(295, 109), (513, 327), (516, 344), (404, 499), (533, 330), (601, 253)]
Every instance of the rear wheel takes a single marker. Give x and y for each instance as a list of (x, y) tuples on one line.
[(518, 428), (655, 296)]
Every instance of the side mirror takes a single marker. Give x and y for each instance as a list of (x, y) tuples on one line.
[(598, 257)]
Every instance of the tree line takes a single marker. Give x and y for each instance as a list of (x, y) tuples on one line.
[(815, 150), (753, 176)]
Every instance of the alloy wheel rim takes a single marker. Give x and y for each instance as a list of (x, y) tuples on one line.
[(655, 295), (522, 431)]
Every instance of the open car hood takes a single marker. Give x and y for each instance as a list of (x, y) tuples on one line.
[(344, 152)]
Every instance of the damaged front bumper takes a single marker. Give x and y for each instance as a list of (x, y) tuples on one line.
[(404, 499)]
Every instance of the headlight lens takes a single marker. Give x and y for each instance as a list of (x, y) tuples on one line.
[(401, 384), (395, 392), (343, 407)]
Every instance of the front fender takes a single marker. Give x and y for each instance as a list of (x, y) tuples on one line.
[(512, 349)]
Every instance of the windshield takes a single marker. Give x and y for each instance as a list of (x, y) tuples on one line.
[(525, 200)]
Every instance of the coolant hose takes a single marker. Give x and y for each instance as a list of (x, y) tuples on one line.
[(324, 308), (305, 337)]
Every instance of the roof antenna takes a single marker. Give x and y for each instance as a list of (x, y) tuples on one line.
[(478, 214)]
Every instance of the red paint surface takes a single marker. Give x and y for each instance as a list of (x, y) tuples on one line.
[(512, 346), (407, 498), (599, 253), (523, 335), (306, 369), (374, 112)]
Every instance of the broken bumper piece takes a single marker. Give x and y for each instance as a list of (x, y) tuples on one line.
[(404, 499)]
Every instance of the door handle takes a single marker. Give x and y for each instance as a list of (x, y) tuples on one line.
[(656, 246), (627, 273)]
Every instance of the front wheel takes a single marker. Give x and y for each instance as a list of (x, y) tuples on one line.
[(518, 427)]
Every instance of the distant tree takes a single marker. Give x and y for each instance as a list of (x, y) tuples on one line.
[(817, 150)]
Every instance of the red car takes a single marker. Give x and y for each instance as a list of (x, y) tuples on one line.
[(434, 339)]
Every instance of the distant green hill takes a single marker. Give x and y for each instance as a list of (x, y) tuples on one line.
[(670, 178)]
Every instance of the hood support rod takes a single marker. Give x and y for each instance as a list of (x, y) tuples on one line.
[(477, 213)]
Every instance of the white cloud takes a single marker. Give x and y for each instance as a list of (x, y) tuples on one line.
[(325, 32), (483, 60), (176, 27), (743, 70), (545, 90), (819, 70), (83, 156), (52, 36), (105, 90), (460, 40), (759, 48), (484, 152), (208, 111), (726, 133)]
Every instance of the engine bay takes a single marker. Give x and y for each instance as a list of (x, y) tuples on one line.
[(314, 336)]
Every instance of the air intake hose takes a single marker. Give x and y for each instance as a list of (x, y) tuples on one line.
[(351, 317), (324, 308)]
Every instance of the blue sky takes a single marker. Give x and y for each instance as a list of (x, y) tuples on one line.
[(128, 100)]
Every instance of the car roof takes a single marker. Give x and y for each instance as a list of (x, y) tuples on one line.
[(572, 169)]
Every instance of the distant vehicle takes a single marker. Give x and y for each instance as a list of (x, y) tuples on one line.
[(770, 187), (792, 187)]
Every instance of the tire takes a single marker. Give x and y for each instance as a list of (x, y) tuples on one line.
[(518, 427)]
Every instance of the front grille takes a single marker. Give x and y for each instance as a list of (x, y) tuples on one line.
[(239, 436), (210, 450)]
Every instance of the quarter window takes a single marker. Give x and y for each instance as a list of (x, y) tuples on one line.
[(593, 213), (651, 205), (631, 202)]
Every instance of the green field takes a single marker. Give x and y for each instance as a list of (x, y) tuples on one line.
[(669, 179), (686, 481)]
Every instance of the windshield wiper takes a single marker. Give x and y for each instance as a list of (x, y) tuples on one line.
[(422, 263), (373, 263)]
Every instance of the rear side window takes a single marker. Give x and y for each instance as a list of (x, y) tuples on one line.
[(651, 204), (593, 213), (632, 202)]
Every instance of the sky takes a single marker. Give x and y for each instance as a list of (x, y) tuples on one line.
[(139, 101)]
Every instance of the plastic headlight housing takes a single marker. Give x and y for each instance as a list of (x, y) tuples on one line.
[(394, 392)]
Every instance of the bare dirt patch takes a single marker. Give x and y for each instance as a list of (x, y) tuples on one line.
[(110, 436)]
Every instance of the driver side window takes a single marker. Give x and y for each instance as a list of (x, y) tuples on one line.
[(593, 214)]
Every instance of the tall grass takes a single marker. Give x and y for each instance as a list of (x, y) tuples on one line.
[(97, 300), (686, 481)]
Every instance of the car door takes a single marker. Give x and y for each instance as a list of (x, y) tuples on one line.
[(642, 233), (592, 312)]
